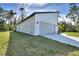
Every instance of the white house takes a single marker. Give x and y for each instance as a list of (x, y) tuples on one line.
[(39, 23)]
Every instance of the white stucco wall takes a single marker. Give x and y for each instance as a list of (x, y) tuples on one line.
[(50, 18), (47, 17), (28, 26)]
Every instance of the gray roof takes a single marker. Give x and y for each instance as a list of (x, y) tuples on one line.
[(38, 13)]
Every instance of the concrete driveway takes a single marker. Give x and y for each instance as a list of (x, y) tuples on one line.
[(63, 39)]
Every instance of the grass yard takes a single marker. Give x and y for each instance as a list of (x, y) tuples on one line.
[(4, 38), (28, 45), (74, 34)]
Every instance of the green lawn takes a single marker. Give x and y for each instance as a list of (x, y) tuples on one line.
[(24, 44), (4, 38), (74, 34)]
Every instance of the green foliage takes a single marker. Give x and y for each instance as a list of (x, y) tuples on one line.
[(67, 27), (61, 27), (73, 12), (2, 27), (1, 9), (10, 27), (10, 14), (70, 28), (77, 28), (5, 27)]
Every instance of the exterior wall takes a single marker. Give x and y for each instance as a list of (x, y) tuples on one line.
[(51, 18), (47, 17), (27, 26), (40, 23)]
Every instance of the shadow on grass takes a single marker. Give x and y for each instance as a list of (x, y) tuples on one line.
[(21, 44), (9, 44)]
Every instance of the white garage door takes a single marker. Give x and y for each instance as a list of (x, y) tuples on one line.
[(47, 28)]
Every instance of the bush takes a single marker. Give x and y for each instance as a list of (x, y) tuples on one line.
[(6, 27), (60, 27)]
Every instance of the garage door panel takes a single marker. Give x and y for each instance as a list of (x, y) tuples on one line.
[(46, 28)]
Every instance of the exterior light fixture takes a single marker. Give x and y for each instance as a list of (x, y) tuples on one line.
[(37, 22)]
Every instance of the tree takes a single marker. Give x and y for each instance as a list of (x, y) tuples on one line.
[(1, 9), (73, 12), (22, 13), (8, 15), (10, 18), (74, 16), (1, 21), (3, 25)]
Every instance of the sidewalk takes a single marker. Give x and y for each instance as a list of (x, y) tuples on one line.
[(71, 37), (64, 39)]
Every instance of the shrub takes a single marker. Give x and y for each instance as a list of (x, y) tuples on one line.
[(60, 27), (5, 27)]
